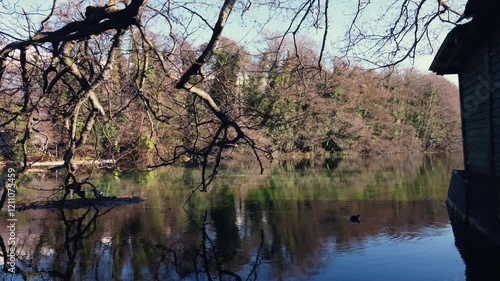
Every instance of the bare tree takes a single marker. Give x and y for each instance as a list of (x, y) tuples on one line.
[(84, 70)]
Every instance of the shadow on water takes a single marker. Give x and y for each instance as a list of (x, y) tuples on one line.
[(73, 232), (292, 223), (481, 256)]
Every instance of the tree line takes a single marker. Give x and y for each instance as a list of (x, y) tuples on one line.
[(284, 102), (93, 82)]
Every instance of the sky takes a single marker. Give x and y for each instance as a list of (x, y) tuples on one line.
[(340, 16), (249, 28), (423, 63)]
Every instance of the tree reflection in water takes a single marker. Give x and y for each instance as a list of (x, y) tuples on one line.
[(90, 252), (291, 224), (133, 244), (76, 230)]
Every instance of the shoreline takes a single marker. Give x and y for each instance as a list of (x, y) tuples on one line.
[(32, 164)]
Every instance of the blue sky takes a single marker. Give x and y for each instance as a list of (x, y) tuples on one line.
[(259, 21)]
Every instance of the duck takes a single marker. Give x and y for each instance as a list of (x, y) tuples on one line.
[(355, 218), (98, 194)]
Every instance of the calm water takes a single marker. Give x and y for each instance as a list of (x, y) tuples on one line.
[(292, 223)]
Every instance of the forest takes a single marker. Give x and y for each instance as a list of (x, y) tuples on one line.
[(129, 82), (291, 113)]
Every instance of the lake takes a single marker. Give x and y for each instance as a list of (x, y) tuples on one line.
[(291, 223)]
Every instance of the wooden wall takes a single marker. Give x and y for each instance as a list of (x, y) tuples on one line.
[(474, 102), (480, 104), (495, 92)]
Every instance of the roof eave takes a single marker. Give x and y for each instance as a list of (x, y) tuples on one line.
[(448, 59)]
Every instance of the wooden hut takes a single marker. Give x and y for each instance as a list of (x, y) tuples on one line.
[(472, 50)]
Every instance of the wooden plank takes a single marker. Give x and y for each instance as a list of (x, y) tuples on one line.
[(474, 78), (496, 162), (496, 157), (473, 113), (470, 87), (477, 148), (473, 70), (473, 75), (495, 41), (495, 95), (476, 53), (474, 125), (495, 114), (495, 128), (477, 88), (496, 166), (496, 132), (473, 107), (476, 145), (496, 76), (473, 135), (483, 163), (477, 92), (477, 158), (475, 140), (495, 53), (489, 89), (495, 106), (496, 103), (474, 104), (474, 169), (477, 167), (479, 116), (472, 131), (495, 56), (478, 132), (496, 169), (497, 172), (495, 63)]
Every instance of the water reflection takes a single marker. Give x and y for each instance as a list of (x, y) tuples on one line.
[(293, 223), (480, 255)]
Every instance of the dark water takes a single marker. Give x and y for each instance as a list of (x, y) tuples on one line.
[(292, 223)]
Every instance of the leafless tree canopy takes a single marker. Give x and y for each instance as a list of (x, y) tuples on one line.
[(82, 74)]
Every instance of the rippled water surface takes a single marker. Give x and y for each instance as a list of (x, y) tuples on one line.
[(291, 223)]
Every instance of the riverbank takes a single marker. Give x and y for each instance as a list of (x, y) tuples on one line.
[(51, 164)]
